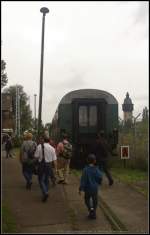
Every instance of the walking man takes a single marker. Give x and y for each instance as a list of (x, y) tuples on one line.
[(64, 153), (102, 152), (27, 157), (46, 155), (8, 147)]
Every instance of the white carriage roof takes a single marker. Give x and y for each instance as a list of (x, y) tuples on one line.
[(88, 94)]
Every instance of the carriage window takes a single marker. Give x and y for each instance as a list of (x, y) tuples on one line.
[(83, 116), (92, 115)]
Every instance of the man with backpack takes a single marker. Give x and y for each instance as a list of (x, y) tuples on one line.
[(64, 154), (27, 158)]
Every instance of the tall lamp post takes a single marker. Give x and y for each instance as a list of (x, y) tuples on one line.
[(44, 10), (35, 110)]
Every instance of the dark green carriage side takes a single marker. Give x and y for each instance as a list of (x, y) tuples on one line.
[(112, 124), (65, 119)]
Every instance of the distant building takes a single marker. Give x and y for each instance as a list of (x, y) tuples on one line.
[(7, 114), (127, 108)]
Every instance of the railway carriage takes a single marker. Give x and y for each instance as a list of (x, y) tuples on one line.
[(82, 114)]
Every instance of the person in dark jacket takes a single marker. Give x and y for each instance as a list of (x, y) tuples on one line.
[(8, 147), (102, 152), (90, 180)]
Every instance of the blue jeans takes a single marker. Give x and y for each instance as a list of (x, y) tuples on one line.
[(27, 172), (91, 199), (44, 182), (44, 173)]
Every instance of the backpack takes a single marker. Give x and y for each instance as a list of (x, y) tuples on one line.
[(67, 152), (30, 151)]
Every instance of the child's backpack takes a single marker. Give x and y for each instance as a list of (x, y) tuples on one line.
[(67, 152)]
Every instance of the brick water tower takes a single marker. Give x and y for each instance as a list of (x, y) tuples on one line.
[(127, 108)]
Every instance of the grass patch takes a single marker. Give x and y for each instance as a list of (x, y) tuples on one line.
[(129, 175), (76, 172), (8, 221), (134, 177)]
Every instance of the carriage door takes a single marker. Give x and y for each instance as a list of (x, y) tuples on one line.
[(85, 125), (87, 118)]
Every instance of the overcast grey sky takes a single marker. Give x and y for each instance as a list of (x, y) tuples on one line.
[(102, 45)]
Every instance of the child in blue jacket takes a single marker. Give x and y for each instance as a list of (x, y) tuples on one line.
[(90, 180)]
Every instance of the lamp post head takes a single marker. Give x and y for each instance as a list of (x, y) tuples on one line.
[(44, 10)]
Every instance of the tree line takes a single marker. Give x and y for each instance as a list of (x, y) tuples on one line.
[(26, 120)]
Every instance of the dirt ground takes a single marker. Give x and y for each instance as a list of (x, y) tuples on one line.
[(65, 212)]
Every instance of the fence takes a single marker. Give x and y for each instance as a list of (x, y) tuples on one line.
[(138, 145)]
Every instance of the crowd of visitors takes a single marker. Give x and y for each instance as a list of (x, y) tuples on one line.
[(45, 159), (49, 160)]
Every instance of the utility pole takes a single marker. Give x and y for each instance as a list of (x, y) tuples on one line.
[(17, 131), (35, 109), (18, 113), (44, 10)]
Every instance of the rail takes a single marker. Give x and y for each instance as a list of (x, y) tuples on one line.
[(115, 222)]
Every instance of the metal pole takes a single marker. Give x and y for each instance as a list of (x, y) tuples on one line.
[(16, 109), (124, 163), (35, 109), (18, 113), (44, 10)]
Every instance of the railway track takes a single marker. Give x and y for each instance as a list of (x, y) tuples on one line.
[(111, 217), (115, 222)]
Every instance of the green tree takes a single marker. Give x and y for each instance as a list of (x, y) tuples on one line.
[(26, 121), (4, 79)]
